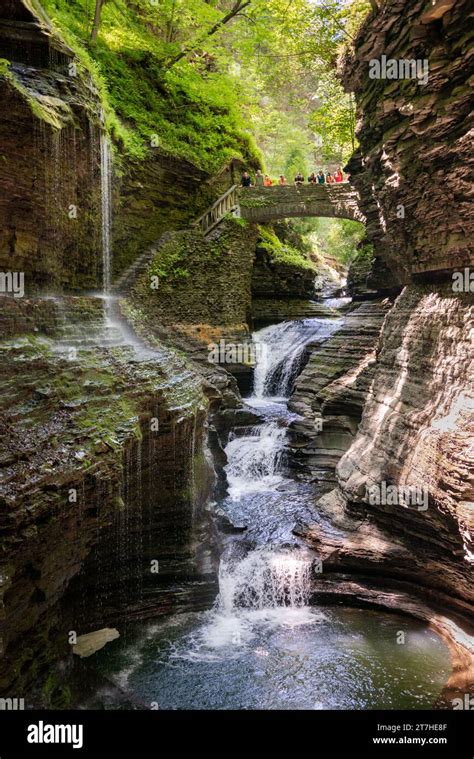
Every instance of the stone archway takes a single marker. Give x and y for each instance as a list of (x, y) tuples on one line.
[(265, 204)]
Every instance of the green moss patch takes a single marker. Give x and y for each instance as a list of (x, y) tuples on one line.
[(283, 253)]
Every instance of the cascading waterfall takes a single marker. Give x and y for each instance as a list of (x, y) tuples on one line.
[(281, 348), (270, 576), (268, 588), (254, 458), (106, 201), (265, 579)]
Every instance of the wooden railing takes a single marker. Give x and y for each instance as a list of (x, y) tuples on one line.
[(227, 203)]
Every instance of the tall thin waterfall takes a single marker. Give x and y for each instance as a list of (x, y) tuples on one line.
[(106, 199)]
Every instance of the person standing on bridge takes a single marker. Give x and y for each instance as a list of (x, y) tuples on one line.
[(299, 179), (267, 182), (259, 179), (320, 177), (312, 178), (339, 176), (282, 181), (329, 178), (246, 180)]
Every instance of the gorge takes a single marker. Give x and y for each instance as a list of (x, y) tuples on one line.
[(218, 514)]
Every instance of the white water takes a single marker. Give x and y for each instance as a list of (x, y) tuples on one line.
[(281, 348), (265, 579), (106, 200), (264, 576), (272, 577), (254, 459)]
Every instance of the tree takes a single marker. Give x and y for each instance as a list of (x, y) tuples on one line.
[(236, 9), (96, 22), (295, 162), (334, 120)]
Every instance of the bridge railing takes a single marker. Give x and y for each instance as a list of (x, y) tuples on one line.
[(227, 203)]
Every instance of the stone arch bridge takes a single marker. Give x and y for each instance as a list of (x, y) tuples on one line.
[(264, 204)]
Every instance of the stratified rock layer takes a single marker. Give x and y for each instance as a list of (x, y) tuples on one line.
[(414, 166), (330, 392), (105, 480), (415, 430)]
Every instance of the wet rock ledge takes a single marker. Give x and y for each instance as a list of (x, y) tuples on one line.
[(105, 481)]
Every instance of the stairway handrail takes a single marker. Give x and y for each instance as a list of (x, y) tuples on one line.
[(215, 205)]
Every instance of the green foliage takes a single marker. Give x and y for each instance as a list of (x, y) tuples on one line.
[(237, 220), (334, 121), (190, 110), (339, 238), (287, 60), (295, 162), (172, 80), (167, 264), (353, 15), (282, 253)]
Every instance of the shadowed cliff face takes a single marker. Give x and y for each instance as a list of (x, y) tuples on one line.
[(414, 166), (50, 173), (418, 417), (330, 392), (105, 479)]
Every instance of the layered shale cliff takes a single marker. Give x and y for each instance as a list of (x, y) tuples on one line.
[(418, 419), (105, 482), (413, 168)]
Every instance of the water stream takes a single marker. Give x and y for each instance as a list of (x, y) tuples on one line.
[(106, 202), (263, 646)]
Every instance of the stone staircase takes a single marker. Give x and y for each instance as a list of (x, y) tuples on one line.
[(128, 278), (215, 214), (86, 323)]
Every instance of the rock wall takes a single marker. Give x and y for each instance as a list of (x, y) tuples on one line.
[(331, 391), (49, 140), (105, 482), (282, 289), (415, 431), (157, 195), (200, 280), (414, 166)]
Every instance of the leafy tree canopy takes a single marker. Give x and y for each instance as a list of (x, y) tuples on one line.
[(208, 80)]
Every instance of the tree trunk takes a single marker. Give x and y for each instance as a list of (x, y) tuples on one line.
[(96, 24), (238, 7)]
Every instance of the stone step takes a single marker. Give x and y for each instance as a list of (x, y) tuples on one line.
[(129, 277)]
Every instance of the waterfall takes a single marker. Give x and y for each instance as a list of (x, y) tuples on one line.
[(269, 588), (265, 575), (281, 348), (106, 200), (254, 458), (265, 579)]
